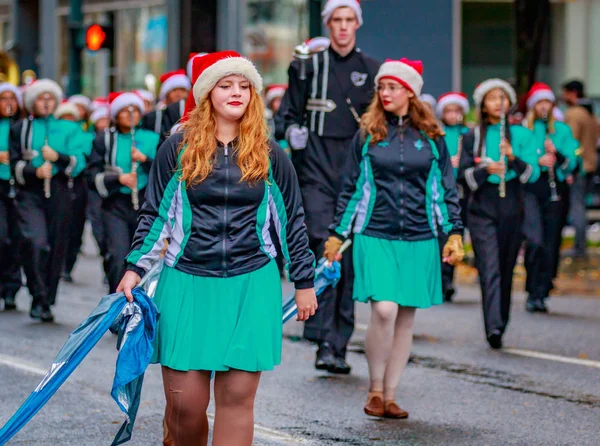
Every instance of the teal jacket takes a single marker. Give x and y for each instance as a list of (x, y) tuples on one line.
[(566, 147), (27, 137), (4, 136), (453, 132)]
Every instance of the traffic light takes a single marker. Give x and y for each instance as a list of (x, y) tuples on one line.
[(99, 37)]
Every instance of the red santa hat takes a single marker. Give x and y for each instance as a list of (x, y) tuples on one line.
[(39, 87), (190, 64), (275, 91), (119, 100), (332, 5), (80, 99), (539, 92), (409, 73), (172, 80), (98, 114), (216, 66), (67, 108), (99, 102), (488, 85), (146, 95), (5, 86), (452, 98)]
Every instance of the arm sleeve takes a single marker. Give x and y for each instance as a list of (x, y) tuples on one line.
[(294, 107), (469, 173), (351, 191), (102, 182), (452, 223), (566, 153), (525, 163), (158, 211), (23, 170), (80, 147), (153, 143), (286, 204)]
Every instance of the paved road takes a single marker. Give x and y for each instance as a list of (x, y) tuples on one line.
[(457, 391)]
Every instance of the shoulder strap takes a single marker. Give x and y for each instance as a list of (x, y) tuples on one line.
[(476, 139), (158, 121), (26, 134)]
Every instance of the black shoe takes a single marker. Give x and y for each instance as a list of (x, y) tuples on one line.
[(532, 304), (66, 277), (9, 303), (35, 312), (46, 315), (325, 358), (448, 294), (340, 367), (540, 306), (495, 340)]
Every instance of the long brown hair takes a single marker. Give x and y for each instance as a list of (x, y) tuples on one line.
[(200, 142), (531, 117), (374, 123)]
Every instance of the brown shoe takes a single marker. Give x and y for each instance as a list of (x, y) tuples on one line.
[(374, 406), (167, 439), (392, 410)]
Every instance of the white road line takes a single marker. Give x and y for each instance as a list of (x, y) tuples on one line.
[(270, 434), (17, 363), (360, 327), (550, 357)]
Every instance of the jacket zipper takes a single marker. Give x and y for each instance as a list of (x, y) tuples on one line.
[(224, 259), (401, 128)]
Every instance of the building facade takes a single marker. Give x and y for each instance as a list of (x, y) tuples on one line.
[(461, 42)]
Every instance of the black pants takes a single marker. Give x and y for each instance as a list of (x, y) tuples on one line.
[(10, 271), (334, 320), (79, 196), (94, 215), (542, 229), (120, 222), (44, 225), (495, 226)]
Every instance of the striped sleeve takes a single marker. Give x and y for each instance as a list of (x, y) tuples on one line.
[(354, 186), (159, 212), (447, 207), (285, 207)]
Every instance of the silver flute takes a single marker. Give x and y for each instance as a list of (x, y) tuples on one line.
[(135, 193), (47, 181), (12, 192), (554, 197), (460, 137), (502, 186)]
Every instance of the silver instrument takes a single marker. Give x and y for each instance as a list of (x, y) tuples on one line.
[(554, 197), (12, 192), (47, 181), (304, 52), (502, 186), (135, 194)]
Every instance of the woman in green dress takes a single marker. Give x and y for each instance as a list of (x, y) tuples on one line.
[(398, 193), (215, 189)]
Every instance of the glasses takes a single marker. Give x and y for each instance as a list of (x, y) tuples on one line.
[(391, 88)]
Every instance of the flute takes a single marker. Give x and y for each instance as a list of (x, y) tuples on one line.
[(12, 193), (460, 136), (135, 197), (502, 186), (554, 197), (47, 181)]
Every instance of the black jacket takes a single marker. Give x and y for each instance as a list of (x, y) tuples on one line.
[(401, 188), (221, 227), (163, 119)]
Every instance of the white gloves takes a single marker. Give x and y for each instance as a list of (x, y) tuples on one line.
[(297, 137)]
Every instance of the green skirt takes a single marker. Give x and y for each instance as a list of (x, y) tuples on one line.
[(210, 323), (407, 273)]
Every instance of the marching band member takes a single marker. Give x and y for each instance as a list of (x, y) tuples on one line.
[(398, 192), (547, 198), (99, 119), (496, 160), (451, 109), (174, 90), (429, 102), (149, 99), (83, 104), (216, 185), (118, 171), (10, 271), (45, 154), (327, 95)]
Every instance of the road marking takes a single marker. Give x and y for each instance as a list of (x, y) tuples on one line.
[(550, 357), (360, 327), (270, 434), (17, 363)]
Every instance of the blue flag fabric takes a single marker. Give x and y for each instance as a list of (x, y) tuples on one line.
[(130, 362), (325, 275)]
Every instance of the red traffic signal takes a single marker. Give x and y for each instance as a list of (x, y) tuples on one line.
[(98, 37)]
